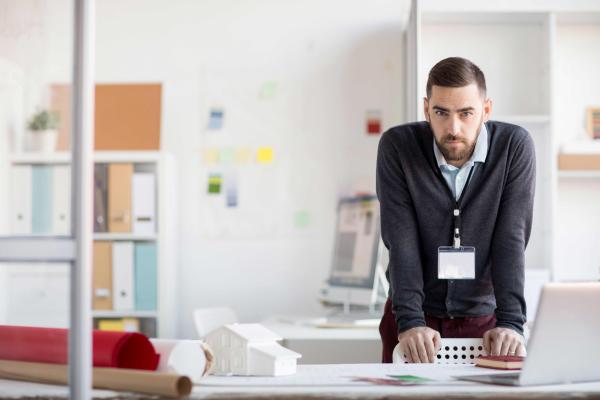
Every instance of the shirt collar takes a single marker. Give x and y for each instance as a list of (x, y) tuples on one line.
[(479, 154)]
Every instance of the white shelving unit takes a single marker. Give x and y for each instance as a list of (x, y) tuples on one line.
[(163, 319), (541, 63)]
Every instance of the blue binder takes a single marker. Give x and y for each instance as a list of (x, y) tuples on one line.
[(41, 199), (145, 276)]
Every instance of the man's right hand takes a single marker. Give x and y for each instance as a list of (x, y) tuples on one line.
[(420, 344)]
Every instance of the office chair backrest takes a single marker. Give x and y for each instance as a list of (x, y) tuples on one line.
[(209, 319), (453, 351)]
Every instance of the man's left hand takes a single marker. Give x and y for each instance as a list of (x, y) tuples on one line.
[(504, 342)]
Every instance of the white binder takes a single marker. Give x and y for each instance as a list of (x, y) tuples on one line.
[(21, 207), (61, 214), (123, 284), (143, 203)]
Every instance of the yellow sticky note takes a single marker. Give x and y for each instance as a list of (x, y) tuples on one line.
[(265, 155), (210, 156), (242, 155)]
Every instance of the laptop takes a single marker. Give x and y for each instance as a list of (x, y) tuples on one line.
[(563, 347)]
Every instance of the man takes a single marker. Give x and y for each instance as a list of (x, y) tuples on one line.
[(456, 194)]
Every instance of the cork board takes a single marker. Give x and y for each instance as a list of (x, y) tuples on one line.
[(127, 116)]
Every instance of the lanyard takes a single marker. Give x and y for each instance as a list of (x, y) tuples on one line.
[(456, 210)]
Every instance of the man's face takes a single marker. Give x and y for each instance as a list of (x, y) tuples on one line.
[(456, 116)]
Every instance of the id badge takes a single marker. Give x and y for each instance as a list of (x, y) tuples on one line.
[(456, 263)]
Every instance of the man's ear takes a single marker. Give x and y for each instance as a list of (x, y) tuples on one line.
[(426, 108), (487, 110)]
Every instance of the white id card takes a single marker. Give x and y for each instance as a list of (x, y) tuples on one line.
[(456, 263)]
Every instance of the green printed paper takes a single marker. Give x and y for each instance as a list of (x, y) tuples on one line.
[(410, 378)]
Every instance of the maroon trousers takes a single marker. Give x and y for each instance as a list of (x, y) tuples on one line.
[(457, 327)]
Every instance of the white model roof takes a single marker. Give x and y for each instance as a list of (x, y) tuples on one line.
[(274, 350), (253, 333)]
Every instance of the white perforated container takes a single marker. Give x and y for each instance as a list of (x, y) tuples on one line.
[(453, 351)]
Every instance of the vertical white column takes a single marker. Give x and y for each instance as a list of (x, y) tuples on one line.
[(80, 338)]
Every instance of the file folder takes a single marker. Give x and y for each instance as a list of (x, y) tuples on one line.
[(21, 200), (102, 285), (143, 203), (119, 197), (123, 284), (145, 277), (62, 200), (100, 197), (41, 199)]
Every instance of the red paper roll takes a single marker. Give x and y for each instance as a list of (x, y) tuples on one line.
[(49, 345)]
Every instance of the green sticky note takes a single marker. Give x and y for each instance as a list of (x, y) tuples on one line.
[(268, 90), (410, 378), (226, 155), (302, 219), (214, 183)]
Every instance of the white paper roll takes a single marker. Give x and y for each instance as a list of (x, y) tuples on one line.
[(183, 357)]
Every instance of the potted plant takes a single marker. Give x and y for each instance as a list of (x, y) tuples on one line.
[(43, 131)]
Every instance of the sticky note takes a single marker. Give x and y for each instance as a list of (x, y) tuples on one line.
[(264, 155), (214, 183), (268, 90), (242, 155), (301, 219), (226, 155), (373, 122), (231, 190), (215, 119), (210, 156)]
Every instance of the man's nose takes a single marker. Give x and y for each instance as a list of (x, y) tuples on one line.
[(454, 126)]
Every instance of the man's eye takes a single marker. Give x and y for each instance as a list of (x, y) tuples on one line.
[(467, 114), (440, 113)]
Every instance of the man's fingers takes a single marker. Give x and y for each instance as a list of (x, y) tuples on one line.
[(486, 342), (430, 349), (521, 350), (506, 343), (496, 344), (512, 349), (437, 342), (414, 354), (422, 350)]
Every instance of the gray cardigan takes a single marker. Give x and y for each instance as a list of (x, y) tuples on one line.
[(416, 218)]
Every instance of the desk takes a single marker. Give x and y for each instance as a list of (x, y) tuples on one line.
[(331, 381), (329, 345)]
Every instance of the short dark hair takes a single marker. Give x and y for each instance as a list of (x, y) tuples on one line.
[(455, 72)]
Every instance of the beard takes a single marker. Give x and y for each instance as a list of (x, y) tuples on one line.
[(461, 153)]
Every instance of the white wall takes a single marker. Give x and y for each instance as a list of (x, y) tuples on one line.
[(331, 60)]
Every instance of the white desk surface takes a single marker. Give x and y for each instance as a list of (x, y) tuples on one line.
[(299, 331), (333, 381)]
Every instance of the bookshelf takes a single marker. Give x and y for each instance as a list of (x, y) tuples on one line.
[(158, 322), (541, 69)]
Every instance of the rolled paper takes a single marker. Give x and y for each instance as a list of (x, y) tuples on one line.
[(50, 345), (209, 354), (185, 357), (149, 382)]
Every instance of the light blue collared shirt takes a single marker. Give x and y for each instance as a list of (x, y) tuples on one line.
[(457, 177)]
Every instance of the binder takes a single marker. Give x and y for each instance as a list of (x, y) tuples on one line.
[(122, 257), (41, 199), (61, 212), (100, 197), (102, 285), (119, 197), (145, 277), (143, 203), (21, 200)]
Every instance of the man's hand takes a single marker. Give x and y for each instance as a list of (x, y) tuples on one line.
[(503, 342), (420, 344)]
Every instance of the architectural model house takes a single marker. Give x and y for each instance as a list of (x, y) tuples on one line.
[(250, 349)]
